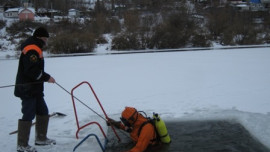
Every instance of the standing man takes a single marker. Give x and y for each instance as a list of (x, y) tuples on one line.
[(29, 88)]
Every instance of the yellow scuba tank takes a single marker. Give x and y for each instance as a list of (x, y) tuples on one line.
[(161, 129)]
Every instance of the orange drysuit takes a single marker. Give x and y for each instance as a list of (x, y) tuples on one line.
[(147, 134)]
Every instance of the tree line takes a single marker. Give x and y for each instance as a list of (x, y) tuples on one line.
[(154, 24)]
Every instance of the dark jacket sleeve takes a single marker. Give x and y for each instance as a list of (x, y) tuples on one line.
[(33, 67)]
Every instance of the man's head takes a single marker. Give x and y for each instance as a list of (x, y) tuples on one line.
[(129, 116), (41, 33)]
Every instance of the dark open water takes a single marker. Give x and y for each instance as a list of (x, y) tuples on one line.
[(197, 136)]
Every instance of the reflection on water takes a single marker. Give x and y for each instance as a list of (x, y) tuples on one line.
[(197, 136)]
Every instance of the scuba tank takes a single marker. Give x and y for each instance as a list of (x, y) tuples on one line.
[(161, 129)]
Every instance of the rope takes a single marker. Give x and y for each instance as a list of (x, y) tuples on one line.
[(7, 86), (81, 102)]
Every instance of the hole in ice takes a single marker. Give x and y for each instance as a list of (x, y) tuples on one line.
[(197, 136)]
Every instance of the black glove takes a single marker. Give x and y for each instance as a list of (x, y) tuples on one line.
[(117, 124)]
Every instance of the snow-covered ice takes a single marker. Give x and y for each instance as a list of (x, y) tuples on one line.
[(191, 85)]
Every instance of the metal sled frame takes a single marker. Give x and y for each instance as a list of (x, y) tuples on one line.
[(84, 139), (90, 123)]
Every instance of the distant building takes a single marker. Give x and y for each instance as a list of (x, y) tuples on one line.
[(255, 1), (235, 1), (242, 7), (265, 1), (11, 13), (251, 5), (73, 13), (26, 14), (259, 5)]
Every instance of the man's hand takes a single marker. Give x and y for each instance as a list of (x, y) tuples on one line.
[(117, 124), (51, 80)]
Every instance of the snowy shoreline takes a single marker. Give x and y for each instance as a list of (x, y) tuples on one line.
[(6, 55)]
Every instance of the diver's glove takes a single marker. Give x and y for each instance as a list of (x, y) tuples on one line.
[(117, 124)]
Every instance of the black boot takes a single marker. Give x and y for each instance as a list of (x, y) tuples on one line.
[(41, 131), (24, 128)]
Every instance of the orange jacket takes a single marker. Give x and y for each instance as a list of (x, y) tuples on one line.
[(146, 137)]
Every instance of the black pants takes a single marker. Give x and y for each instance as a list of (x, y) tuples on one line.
[(33, 106)]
